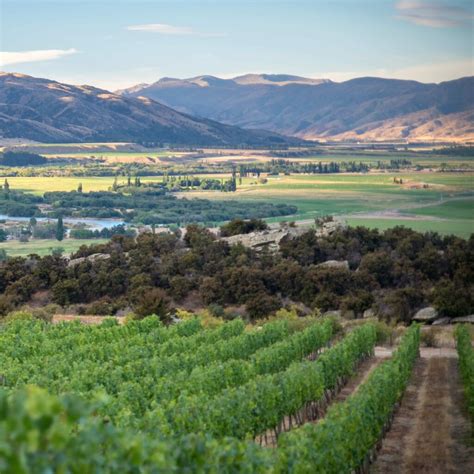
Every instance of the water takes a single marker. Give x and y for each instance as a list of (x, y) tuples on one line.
[(93, 224)]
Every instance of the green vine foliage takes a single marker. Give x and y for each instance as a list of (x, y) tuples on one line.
[(350, 430), (466, 366), (145, 398), (260, 404)]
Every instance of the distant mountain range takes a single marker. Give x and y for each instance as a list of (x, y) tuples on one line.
[(360, 109), (48, 111)]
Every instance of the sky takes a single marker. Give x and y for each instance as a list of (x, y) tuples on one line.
[(114, 44)]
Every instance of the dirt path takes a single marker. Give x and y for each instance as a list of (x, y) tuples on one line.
[(363, 372), (430, 430)]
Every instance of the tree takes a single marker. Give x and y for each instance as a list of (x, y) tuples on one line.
[(453, 299), (60, 229), (57, 251), (262, 306), (153, 301)]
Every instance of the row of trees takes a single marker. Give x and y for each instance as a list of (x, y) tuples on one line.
[(143, 204)]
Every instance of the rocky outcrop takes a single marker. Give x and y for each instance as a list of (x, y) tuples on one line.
[(270, 238), (95, 257), (464, 319), (369, 313), (334, 264), (329, 227), (441, 321), (426, 315)]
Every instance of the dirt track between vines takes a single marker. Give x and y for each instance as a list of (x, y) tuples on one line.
[(430, 430)]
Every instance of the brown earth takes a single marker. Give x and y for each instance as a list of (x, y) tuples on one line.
[(430, 430)]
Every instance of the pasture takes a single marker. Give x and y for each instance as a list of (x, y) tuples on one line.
[(14, 248), (373, 200), (442, 201)]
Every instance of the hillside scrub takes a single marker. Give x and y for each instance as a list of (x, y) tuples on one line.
[(394, 272)]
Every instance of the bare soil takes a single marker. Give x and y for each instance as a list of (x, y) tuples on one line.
[(363, 372), (430, 431)]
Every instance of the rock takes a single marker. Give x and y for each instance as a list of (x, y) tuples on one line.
[(95, 257), (328, 228), (349, 314), (334, 313), (441, 321), (369, 313), (265, 239), (334, 264), (464, 319), (426, 314)]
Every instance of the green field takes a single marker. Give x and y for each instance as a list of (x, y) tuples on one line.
[(446, 205), (45, 247), (459, 227), (42, 184), (459, 208)]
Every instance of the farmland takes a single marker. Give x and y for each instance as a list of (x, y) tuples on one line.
[(45, 246), (227, 399), (373, 200), (426, 199)]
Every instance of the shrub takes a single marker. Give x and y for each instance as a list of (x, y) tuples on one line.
[(384, 332), (428, 337), (240, 226), (18, 316), (153, 301), (262, 306)]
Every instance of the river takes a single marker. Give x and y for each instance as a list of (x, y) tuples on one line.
[(93, 224)]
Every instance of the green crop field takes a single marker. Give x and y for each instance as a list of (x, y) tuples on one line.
[(446, 203), (15, 248), (455, 208), (192, 399), (459, 227)]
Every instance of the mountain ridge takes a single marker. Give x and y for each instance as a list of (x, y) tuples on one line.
[(366, 108), (49, 111)]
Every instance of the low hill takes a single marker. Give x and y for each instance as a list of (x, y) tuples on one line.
[(49, 111), (360, 109)]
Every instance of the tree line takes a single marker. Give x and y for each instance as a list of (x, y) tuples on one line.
[(394, 272)]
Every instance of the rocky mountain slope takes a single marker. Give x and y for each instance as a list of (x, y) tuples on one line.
[(48, 111), (360, 109)]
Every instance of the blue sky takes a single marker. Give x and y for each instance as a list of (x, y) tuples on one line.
[(114, 44)]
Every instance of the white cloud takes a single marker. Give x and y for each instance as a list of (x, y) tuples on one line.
[(434, 14), (162, 29), (17, 57)]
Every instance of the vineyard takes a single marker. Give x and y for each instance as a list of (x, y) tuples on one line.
[(143, 397)]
